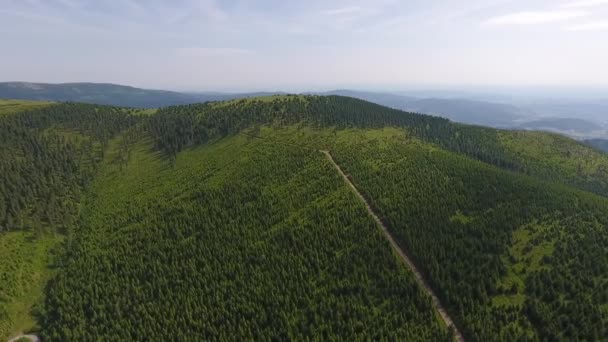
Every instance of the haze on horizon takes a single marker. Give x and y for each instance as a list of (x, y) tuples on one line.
[(269, 44)]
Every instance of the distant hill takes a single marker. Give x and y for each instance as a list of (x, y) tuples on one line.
[(469, 111), (568, 126), (460, 110), (386, 99), (596, 111), (601, 144), (108, 94)]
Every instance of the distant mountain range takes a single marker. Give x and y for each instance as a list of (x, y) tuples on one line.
[(585, 121), (591, 110), (581, 120), (455, 109), (577, 128), (108, 94), (564, 124), (601, 144)]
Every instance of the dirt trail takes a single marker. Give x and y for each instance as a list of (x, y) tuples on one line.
[(404, 257), (32, 338)]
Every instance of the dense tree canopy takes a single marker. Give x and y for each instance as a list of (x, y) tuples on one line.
[(511, 256), (223, 221), (46, 157), (541, 155), (241, 240)]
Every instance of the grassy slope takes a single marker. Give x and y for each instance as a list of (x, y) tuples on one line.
[(525, 256), (15, 106), (143, 112), (24, 270)]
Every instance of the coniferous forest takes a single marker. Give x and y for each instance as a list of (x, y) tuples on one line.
[(223, 221)]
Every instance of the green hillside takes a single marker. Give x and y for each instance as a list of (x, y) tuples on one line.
[(510, 255), (24, 271), (224, 221), (239, 239), (556, 157), (47, 156), (543, 155)]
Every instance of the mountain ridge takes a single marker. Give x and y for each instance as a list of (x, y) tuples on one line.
[(110, 94), (458, 109)]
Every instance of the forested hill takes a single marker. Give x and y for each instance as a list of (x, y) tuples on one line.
[(544, 155), (48, 155), (137, 215)]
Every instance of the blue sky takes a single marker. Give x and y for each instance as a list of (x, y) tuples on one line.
[(306, 45)]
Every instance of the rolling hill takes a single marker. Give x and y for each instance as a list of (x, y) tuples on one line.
[(571, 127), (108, 94), (456, 109), (228, 220)]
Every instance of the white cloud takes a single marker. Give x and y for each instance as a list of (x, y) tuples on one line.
[(590, 26), (70, 4), (584, 3), (343, 11), (52, 22), (534, 17), (211, 52), (211, 9)]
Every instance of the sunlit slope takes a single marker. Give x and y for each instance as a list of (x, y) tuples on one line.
[(25, 267), (237, 239), (552, 156), (16, 106)]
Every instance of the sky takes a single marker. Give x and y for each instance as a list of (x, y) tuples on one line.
[(240, 45)]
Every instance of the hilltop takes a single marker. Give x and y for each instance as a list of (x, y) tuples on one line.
[(16, 106)]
